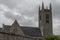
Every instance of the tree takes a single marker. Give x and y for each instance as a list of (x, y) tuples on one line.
[(51, 37)]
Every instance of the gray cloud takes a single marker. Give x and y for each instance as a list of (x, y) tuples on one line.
[(57, 30), (56, 11), (22, 19), (10, 3), (26, 12), (56, 16), (12, 16)]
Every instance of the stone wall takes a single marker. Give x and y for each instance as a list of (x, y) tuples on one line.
[(8, 36)]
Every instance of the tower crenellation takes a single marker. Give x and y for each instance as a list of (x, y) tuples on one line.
[(49, 8), (42, 6)]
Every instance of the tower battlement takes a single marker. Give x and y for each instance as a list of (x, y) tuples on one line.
[(45, 9)]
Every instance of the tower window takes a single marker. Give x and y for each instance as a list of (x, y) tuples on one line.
[(40, 39), (47, 21), (47, 16), (40, 17)]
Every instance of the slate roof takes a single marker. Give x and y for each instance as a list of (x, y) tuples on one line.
[(32, 31)]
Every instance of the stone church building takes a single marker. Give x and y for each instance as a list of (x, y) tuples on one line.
[(17, 32)]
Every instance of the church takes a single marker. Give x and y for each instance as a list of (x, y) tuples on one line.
[(17, 32)]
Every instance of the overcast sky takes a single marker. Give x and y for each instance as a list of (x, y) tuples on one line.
[(26, 12)]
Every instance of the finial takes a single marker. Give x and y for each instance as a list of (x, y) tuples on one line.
[(46, 7), (3, 24), (50, 7), (39, 8), (42, 5)]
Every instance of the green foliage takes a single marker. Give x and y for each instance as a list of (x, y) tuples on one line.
[(51, 37)]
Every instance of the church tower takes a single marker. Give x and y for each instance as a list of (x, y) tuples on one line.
[(45, 20)]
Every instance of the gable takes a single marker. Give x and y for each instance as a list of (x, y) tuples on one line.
[(16, 28), (15, 23)]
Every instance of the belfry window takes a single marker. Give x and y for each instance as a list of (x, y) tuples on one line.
[(40, 39), (47, 21), (40, 17), (47, 16)]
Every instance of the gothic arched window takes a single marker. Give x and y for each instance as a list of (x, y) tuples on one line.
[(47, 16)]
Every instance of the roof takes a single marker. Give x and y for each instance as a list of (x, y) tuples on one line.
[(32, 31)]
